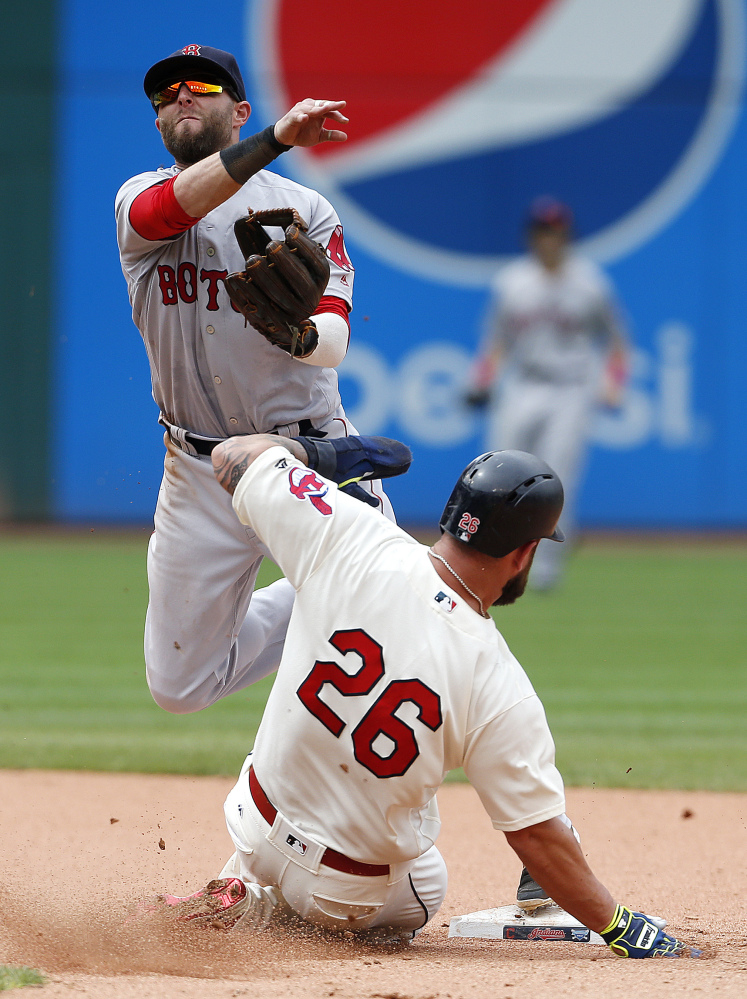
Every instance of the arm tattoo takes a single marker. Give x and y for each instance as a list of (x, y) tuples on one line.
[(235, 456), (234, 462), (237, 470)]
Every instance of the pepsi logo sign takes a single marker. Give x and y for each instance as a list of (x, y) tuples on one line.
[(458, 122)]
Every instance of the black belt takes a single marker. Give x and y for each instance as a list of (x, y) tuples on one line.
[(305, 429), (330, 858), (200, 446)]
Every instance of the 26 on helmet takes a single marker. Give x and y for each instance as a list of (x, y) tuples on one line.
[(502, 500)]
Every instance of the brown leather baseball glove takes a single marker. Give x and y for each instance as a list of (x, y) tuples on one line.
[(282, 282)]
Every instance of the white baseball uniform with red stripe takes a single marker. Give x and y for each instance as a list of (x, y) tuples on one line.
[(214, 377), (388, 681)]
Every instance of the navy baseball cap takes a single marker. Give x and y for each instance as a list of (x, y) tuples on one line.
[(195, 61), (549, 213)]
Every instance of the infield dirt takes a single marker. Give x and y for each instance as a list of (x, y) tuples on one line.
[(79, 850)]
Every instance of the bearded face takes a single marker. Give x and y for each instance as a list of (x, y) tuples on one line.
[(515, 587), (191, 133)]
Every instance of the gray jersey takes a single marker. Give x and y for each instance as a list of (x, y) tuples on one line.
[(555, 326), (212, 374)]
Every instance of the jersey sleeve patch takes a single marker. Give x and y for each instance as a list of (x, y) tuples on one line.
[(307, 485), (337, 251)]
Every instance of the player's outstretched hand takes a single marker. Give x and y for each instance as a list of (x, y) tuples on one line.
[(303, 125), (631, 934)]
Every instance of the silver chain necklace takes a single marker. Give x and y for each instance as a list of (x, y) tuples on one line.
[(457, 576)]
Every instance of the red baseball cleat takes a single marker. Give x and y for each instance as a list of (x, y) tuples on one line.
[(221, 903)]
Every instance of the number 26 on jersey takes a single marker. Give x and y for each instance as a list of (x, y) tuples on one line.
[(381, 718)]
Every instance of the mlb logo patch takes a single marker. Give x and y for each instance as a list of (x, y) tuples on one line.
[(445, 601), (296, 844)]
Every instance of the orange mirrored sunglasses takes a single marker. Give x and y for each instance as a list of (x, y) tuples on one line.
[(169, 94)]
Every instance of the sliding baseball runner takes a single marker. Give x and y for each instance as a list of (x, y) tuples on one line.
[(393, 673)]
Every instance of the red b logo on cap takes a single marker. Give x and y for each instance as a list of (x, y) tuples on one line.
[(191, 50)]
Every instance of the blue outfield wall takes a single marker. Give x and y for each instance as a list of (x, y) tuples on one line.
[(673, 241)]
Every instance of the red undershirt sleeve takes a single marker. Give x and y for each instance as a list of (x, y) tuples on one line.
[(330, 303), (156, 214)]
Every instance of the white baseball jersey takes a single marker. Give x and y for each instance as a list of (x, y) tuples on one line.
[(212, 375), (555, 326), (388, 680)]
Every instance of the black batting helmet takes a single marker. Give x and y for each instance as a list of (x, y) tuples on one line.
[(502, 500)]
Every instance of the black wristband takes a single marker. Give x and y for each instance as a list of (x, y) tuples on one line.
[(245, 158), (322, 456)]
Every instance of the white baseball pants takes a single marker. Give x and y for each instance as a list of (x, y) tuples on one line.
[(402, 902), (551, 421), (208, 633)]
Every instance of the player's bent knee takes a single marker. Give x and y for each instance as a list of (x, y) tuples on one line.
[(176, 705), (429, 880), (178, 701)]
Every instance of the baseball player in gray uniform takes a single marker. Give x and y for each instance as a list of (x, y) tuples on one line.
[(554, 347), (213, 375), (393, 673)]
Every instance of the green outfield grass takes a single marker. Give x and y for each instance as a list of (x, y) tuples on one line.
[(16, 977), (640, 660)]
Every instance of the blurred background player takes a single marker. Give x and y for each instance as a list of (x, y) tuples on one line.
[(554, 347)]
